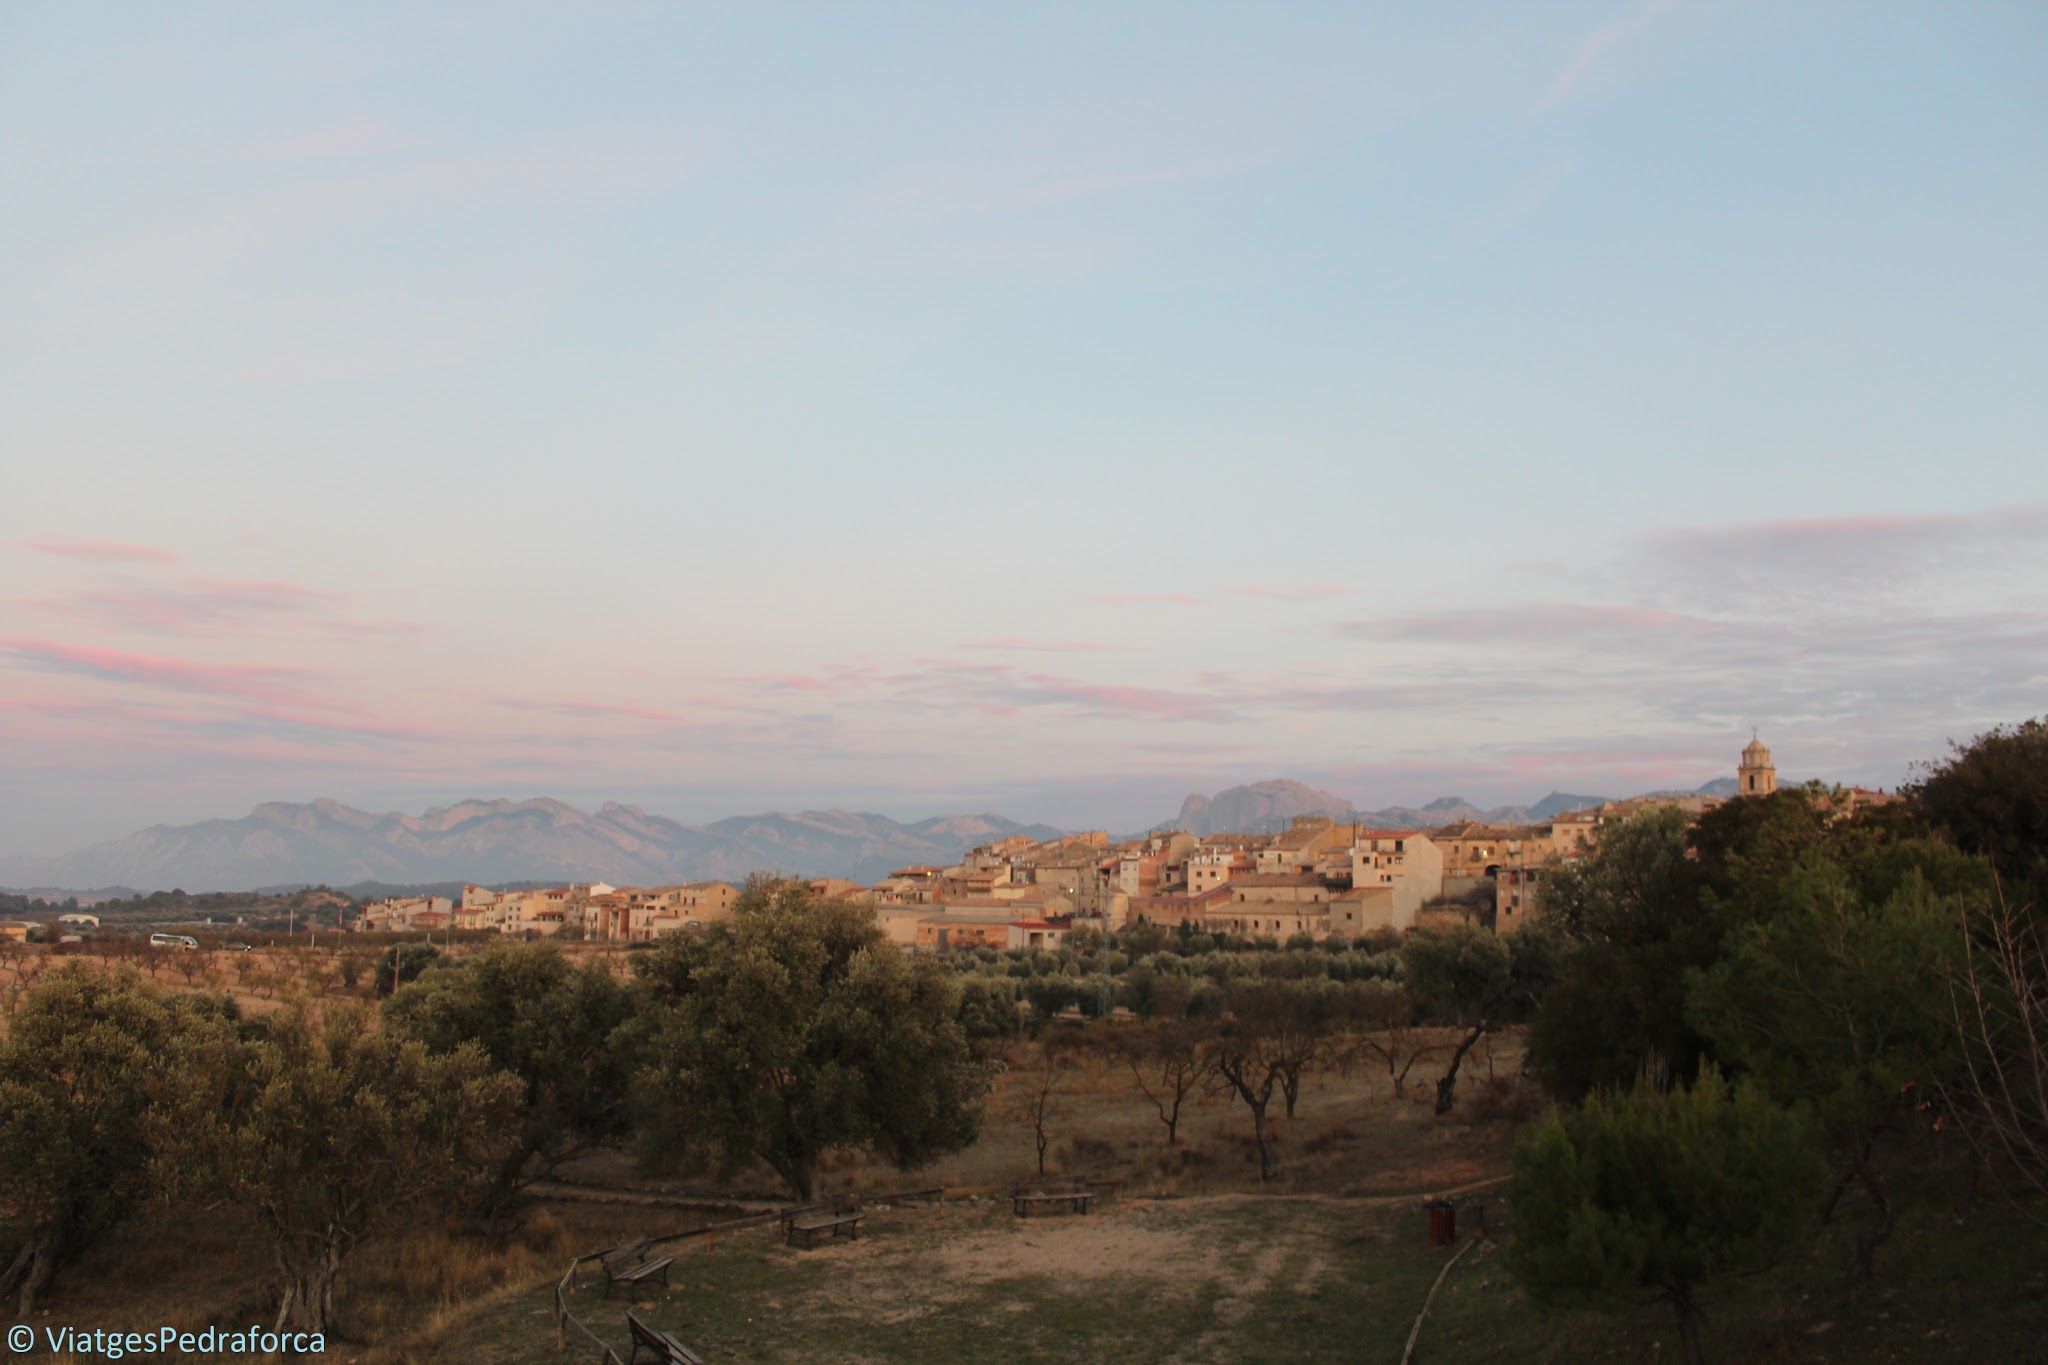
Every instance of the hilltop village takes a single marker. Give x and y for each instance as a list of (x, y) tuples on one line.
[(1318, 878)]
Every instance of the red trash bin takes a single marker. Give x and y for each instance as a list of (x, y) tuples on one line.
[(1443, 1222)]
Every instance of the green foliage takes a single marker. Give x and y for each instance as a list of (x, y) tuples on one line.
[(1462, 975), (1459, 975), (329, 1130), (1991, 797), (988, 1008), (796, 1027), (81, 1069), (1660, 1194), (1841, 1004), (402, 963), (1832, 1000), (555, 1026), (1630, 912)]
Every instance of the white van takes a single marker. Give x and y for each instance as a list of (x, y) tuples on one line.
[(184, 941)]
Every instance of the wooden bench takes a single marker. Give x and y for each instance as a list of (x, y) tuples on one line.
[(839, 1225), (1026, 1195), (630, 1265), (665, 1347), (838, 1206)]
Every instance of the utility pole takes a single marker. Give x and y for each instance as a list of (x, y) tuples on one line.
[(1102, 918)]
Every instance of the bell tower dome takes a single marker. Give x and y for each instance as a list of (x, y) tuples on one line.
[(1756, 776)]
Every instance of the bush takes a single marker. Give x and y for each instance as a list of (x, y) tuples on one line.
[(1660, 1194)]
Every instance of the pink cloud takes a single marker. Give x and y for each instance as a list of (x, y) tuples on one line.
[(831, 681), (250, 682), (102, 551), (1020, 643), (1596, 42), (592, 709), (1115, 699), (208, 604), (1307, 592), (1149, 599)]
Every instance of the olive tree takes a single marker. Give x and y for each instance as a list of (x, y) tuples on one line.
[(328, 1130), (549, 1023), (81, 1070), (796, 1027), (1462, 976)]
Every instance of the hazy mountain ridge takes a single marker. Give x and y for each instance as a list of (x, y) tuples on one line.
[(544, 841), (1269, 807), (540, 840)]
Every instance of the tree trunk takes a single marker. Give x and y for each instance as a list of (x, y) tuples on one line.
[(1447, 1087), (799, 1173), (1843, 1181), (1867, 1243), (308, 1301), (1688, 1326), (35, 1266), (1290, 1086), (16, 1271), (1268, 1166)]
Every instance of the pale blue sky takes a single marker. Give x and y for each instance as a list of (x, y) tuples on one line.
[(1052, 410)]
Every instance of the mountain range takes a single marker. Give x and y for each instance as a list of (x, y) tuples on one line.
[(324, 841), (1269, 807), (496, 842)]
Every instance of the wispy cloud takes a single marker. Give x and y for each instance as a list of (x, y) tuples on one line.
[(1001, 689), (250, 682), (1020, 644), (1595, 44), (591, 710), (355, 135), (1540, 623), (201, 606), (1306, 592), (1149, 599), (1821, 565), (102, 551), (835, 680)]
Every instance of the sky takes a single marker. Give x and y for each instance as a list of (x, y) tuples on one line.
[(1048, 409)]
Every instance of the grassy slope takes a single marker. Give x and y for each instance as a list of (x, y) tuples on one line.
[(1250, 1279)]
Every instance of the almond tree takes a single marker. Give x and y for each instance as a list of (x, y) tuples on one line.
[(1266, 1037), (1169, 1064)]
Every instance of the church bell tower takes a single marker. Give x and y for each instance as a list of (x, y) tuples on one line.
[(1756, 776)]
